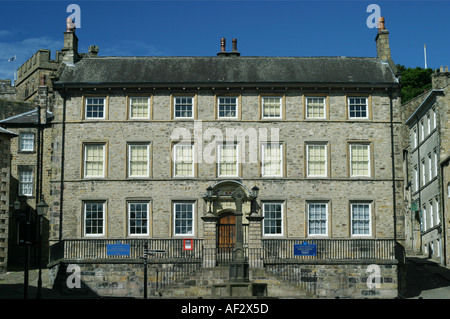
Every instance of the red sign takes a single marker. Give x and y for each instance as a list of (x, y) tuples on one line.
[(188, 244)]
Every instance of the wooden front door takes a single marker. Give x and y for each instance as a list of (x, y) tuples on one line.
[(225, 238)]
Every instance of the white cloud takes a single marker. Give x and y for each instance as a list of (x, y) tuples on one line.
[(23, 49)]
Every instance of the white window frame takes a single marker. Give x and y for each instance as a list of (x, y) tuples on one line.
[(25, 136), (86, 108), (428, 123), (434, 117), (424, 181), (219, 104), (130, 146), (147, 219), (415, 136), (219, 158), (263, 98), (369, 159), (424, 217), (29, 181), (192, 219), (350, 104), (422, 130), (309, 218), (175, 104), (103, 203), (430, 167), (130, 110), (324, 105), (416, 178), (86, 145), (176, 161), (267, 219), (325, 145), (436, 162), (264, 160), (352, 219)]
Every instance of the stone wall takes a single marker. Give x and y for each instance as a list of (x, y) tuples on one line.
[(294, 189), (5, 167), (340, 279)]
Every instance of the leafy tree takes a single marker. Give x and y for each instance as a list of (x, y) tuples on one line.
[(415, 81)]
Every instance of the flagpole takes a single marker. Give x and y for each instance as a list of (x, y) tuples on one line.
[(425, 54)]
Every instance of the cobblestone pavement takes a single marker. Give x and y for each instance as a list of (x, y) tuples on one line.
[(425, 280)]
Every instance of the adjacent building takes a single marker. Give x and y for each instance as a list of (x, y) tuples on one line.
[(5, 170), (426, 161)]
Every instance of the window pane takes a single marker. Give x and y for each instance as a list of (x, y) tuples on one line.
[(317, 160), (94, 218), (27, 142), (360, 160), (183, 107), (139, 107), (317, 218), (227, 107), (357, 107), (138, 160), (228, 161), (184, 214), (184, 160), (271, 107), (272, 160), (273, 218), (360, 219), (94, 160), (26, 182), (315, 107), (95, 108), (138, 218)]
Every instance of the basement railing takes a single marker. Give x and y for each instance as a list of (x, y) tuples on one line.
[(272, 251)]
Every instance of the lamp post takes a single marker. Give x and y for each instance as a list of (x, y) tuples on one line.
[(41, 209)]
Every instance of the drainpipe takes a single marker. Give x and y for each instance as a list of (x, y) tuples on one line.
[(61, 197), (394, 200), (442, 213)]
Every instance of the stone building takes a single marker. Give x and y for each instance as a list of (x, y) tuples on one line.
[(30, 168), (167, 151), (426, 161), (217, 161), (5, 166)]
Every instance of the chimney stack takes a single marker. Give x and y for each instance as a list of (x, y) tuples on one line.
[(70, 49), (382, 40)]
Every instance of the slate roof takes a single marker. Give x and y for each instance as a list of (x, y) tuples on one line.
[(226, 70), (6, 132), (29, 117)]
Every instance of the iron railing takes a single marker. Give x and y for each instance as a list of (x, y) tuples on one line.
[(97, 249), (272, 251), (331, 249)]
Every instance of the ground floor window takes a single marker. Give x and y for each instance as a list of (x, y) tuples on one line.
[(317, 219), (138, 218), (94, 218), (183, 218), (273, 218), (361, 219)]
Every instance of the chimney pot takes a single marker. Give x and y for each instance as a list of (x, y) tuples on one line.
[(381, 24), (222, 44)]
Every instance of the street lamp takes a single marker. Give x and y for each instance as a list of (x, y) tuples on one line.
[(209, 195), (41, 208), (254, 205)]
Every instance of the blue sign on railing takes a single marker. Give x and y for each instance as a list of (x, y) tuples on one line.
[(305, 249), (118, 249)]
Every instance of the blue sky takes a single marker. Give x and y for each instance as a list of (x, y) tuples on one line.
[(194, 28)]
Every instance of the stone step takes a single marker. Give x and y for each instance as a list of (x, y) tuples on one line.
[(214, 283)]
